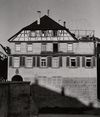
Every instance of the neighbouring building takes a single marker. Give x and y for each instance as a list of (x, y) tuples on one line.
[(3, 64), (51, 53)]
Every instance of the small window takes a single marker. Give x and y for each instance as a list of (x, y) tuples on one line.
[(29, 62), (29, 48), (38, 33), (69, 47), (55, 47), (55, 62), (17, 47), (43, 62), (44, 33), (73, 62), (32, 34), (88, 62), (43, 47), (55, 33), (16, 62)]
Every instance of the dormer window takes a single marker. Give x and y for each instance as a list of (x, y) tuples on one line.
[(70, 47), (17, 47)]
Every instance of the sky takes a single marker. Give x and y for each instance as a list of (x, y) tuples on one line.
[(78, 14)]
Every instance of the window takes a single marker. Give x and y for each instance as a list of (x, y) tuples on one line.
[(88, 62), (29, 48), (44, 33), (29, 62), (17, 47), (55, 33), (43, 47), (38, 33), (69, 47), (55, 47), (43, 62), (32, 34), (16, 62), (55, 62), (73, 62)]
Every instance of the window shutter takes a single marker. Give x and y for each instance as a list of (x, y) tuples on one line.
[(78, 61), (93, 61), (83, 61), (49, 61), (60, 61), (67, 61), (33, 61), (38, 61), (22, 61), (10, 61)]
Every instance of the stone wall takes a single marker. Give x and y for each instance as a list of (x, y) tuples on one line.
[(15, 99)]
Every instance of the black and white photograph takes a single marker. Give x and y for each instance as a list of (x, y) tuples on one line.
[(49, 58)]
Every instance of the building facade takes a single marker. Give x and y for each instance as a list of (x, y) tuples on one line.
[(49, 52)]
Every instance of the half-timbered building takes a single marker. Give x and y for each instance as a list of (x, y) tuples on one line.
[(51, 53)]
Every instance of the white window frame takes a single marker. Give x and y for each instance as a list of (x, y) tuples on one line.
[(29, 62), (88, 58), (43, 63), (69, 47), (16, 62), (17, 47), (43, 47), (71, 58), (29, 47), (54, 60)]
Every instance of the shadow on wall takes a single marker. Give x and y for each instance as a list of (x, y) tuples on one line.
[(47, 101)]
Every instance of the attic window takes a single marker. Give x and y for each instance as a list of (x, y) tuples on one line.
[(54, 33), (32, 34), (44, 33)]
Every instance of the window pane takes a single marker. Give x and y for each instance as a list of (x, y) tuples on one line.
[(43, 47), (70, 47), (29, 48), (16, 61), (43, 62), (29, 61), (17, 47), (55, 62), (88, 62), (73, 62)]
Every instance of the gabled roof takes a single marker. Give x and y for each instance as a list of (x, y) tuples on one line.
[(46, 23)]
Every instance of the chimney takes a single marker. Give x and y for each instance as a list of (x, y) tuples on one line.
[(48, 12), (64, 24), (38, 18)]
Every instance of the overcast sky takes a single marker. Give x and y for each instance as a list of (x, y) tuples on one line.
[(78, 14)]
